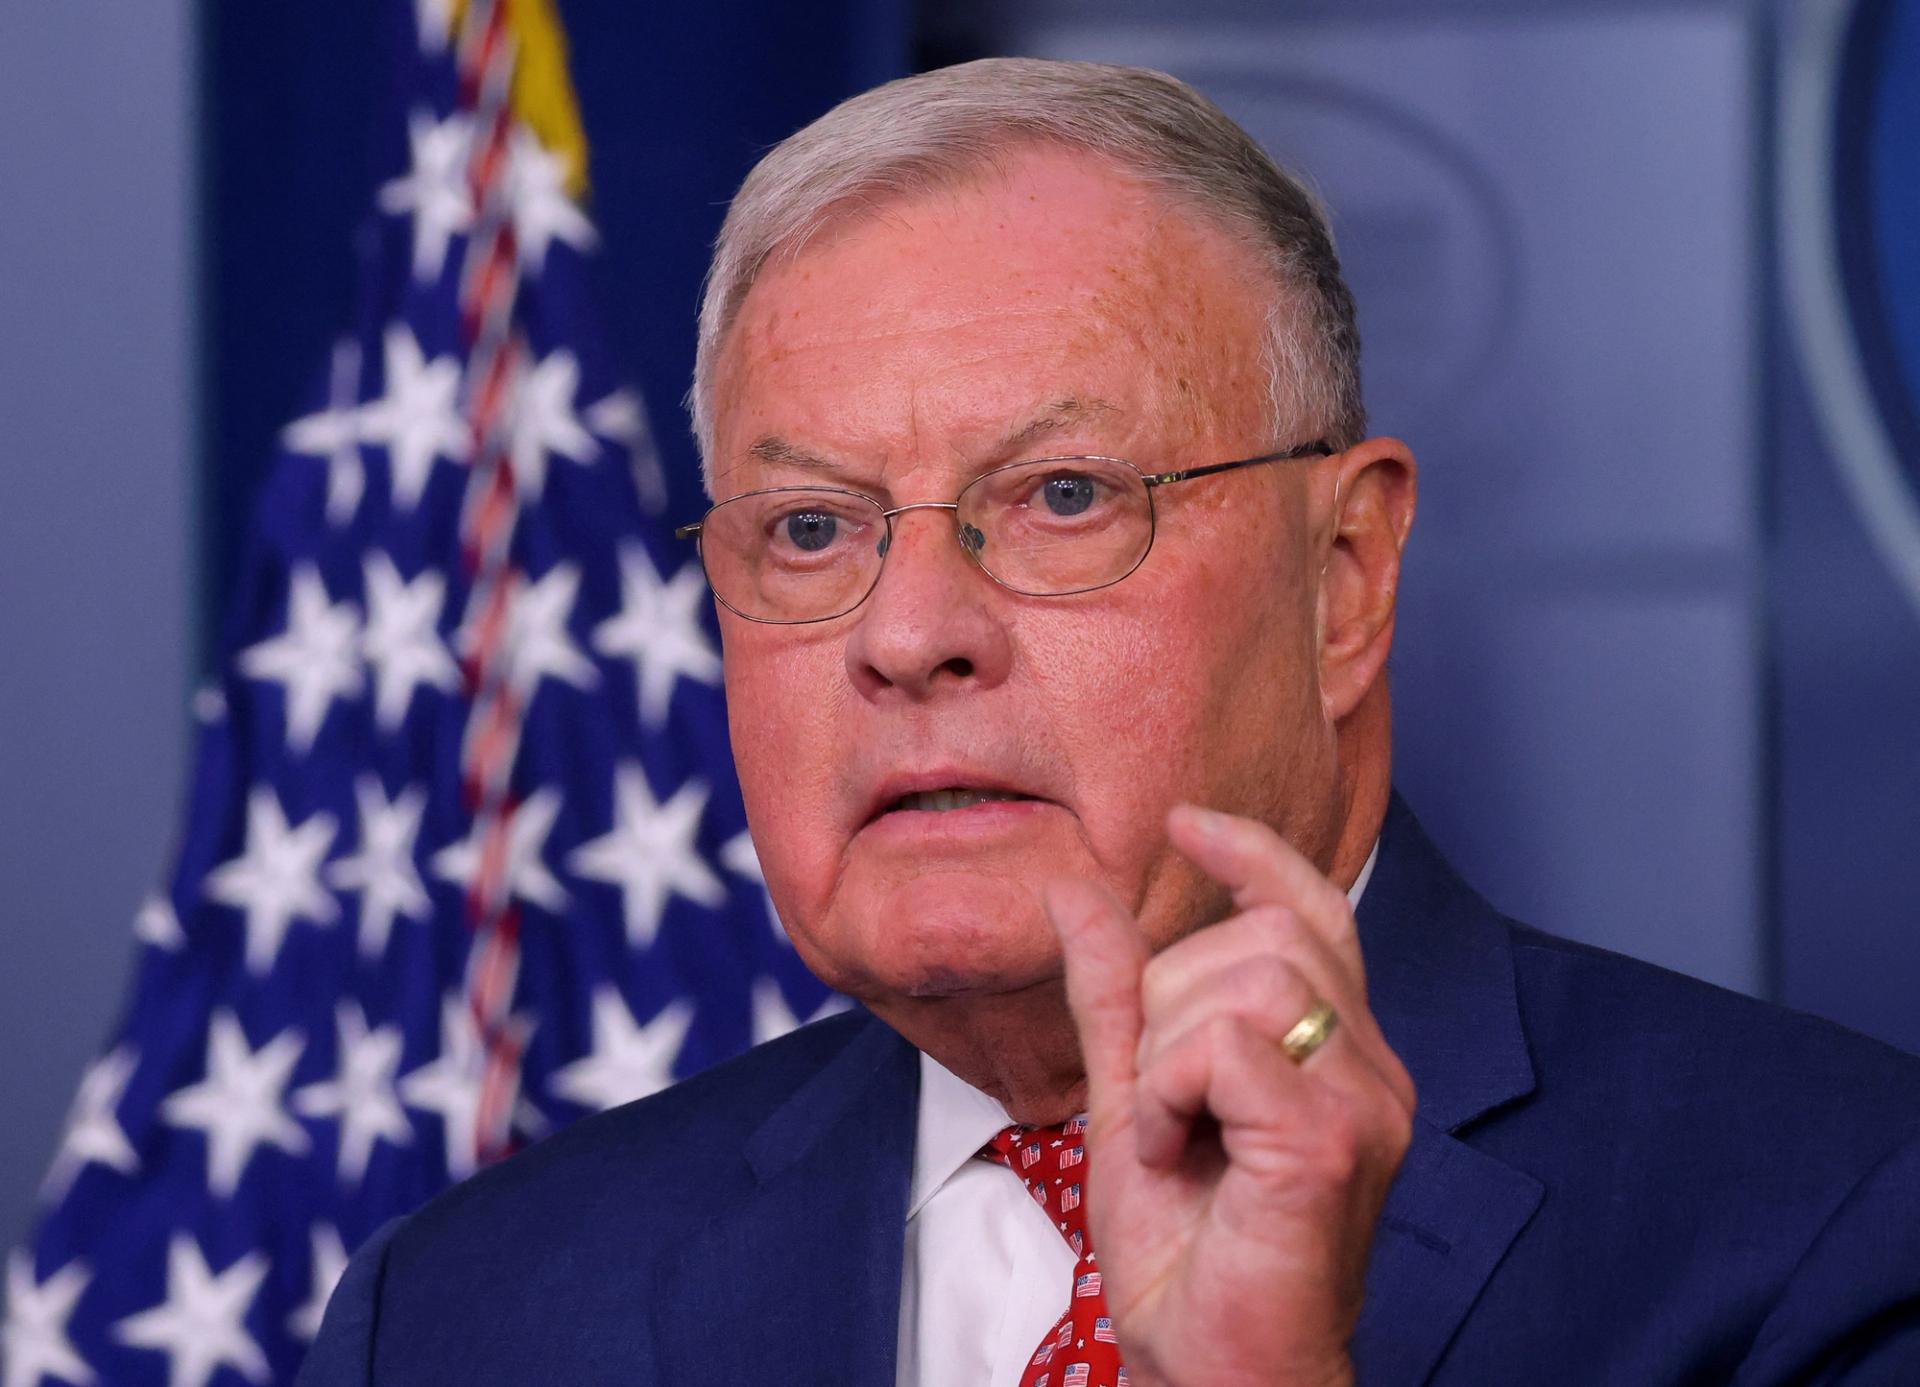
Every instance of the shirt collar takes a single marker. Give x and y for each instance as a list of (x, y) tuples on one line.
[(956, 1119)]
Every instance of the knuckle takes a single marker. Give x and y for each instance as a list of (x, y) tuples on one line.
[(1171, 1047), (1399, 1131), (1267, 983), (1403, 1087), (1227, 1034), (1157, 983), (1274, 928), (1339, 1141)]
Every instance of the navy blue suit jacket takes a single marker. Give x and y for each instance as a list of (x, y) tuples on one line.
[(1617, 1175)]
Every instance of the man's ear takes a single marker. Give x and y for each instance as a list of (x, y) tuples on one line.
[(1368, 493)]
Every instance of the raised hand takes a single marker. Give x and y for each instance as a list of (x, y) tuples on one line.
[(1232, 1190)]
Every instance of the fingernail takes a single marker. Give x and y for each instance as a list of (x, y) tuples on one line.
[(1207, 821)]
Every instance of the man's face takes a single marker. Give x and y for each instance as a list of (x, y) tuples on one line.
[(1058, 308)]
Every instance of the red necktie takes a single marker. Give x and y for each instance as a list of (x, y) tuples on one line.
[(1052, 1162)]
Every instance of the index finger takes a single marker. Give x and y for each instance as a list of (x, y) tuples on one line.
[(1104, 953), (1261, 868)]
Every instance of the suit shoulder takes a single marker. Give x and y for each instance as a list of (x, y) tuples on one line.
[(685, 1132), (1702, 1056), (578, 1229)]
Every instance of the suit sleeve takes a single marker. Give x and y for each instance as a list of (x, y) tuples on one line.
[(342, 1353), (1850, 1315)]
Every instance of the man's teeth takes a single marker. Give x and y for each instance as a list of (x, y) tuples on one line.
[(939, 801)]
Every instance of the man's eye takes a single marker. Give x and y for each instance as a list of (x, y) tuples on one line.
[(811, 531), (1068, 493)]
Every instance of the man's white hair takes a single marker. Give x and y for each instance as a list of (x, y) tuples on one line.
[(931, 131)]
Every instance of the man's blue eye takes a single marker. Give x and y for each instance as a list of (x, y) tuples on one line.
[(1068, 494), (811, 530)]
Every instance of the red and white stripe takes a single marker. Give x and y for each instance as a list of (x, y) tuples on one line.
[(489, 285)]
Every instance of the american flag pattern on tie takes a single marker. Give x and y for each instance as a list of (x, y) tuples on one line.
[(464, 857), (1081, 1350)]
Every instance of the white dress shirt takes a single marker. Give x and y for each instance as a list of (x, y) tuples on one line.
[(986, 1273)]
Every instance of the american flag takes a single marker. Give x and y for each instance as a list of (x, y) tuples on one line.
[(464, 858)]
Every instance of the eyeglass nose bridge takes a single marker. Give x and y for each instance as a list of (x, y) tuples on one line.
[(971, 540), (919, 505)]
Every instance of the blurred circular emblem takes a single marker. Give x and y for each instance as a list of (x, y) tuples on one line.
[(1849, 206)]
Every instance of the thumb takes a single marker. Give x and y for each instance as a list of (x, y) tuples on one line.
[(1104, 954)]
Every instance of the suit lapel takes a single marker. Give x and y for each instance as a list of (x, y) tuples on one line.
[(799, 1279), (1449, 1219), (1440, 980)]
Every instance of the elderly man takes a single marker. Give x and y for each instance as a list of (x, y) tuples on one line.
[(1059, 577)]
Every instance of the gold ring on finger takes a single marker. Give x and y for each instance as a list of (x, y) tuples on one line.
[(1310, 1032)]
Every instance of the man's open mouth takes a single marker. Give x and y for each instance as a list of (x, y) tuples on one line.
[(957, 797)]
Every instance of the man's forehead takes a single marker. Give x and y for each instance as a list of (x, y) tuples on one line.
[(1053, 417), (1053, 231), (1081, 417), (1057, 301)]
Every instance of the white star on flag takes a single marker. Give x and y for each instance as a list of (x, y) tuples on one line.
[(277, 877), (649, 852), (536, 644), (418, 419), (93, 1132), (658, 627), (432, 18), (329, 1263), (450, 1085), (156, 924), (33, 1340), (237, 1104), (536, 185), (435, 189), (737, 855), (361, 1093), (524, 872), (402, 640), (200, 1326), (621, 418), (543, 421), (316, 658), (334, 434), (628, 1061), (773, 1018), (383, 870)]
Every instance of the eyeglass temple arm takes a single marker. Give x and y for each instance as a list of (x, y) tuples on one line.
[(688, 531), (1317, 448)]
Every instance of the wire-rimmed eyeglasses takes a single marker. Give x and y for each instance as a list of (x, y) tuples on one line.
[(1045, 527)]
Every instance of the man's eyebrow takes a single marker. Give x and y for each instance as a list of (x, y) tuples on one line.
[(775, 449), (1056, 417)]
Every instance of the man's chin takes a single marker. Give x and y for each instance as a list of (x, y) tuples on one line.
[(969, 981), (936, 935)]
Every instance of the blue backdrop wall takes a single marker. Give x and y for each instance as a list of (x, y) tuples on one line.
[(1658, 666)]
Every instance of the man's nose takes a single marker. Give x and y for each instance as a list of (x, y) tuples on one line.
[(934, 621)]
